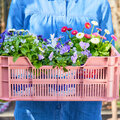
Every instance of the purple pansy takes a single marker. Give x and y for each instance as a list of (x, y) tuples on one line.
[(84, 45), (39, 37), (45, 40), (74, 57), (40, 57), (65, 49), (51, 56), (87, 53), (67, 41), (59, 46)]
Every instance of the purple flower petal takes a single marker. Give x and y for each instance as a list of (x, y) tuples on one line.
[(65, 49), (74, 57), (40, 57), (51, 56), (84, 45)]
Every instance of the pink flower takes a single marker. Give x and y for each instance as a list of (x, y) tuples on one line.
[(99, 29), (64, 29), (103, 37), (87, 25), (96, 34), (87, 36), (74, 32), (69, 29), (114, 37)]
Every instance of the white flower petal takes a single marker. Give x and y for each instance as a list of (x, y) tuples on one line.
[(80, 35), (107, 31), (95, 40), (94, 23)]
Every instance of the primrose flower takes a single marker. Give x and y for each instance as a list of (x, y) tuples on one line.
[(80, 35), (64, 29), (114, 37), (107, 31), (84, 45), (87, 36), (65, 49), (87, 25), (51, 56), (41, 49), (96, 34), (36, 41), (40, 57), (95, 40), (74, 32), (69, 29), (23, 41), (95, 23), (74, 57), (99, 29)]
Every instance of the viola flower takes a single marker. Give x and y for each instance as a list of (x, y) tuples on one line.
[(39, 37), (107, 31), (41, 49), (74, 32), (103, 37), (65, 49), (87, 25), (87, 53), (74, 57), (95, 23), (84, 45), (23, 41), (80, 35), (95, 40), (74, 49), (87, 36), (59, 46), (114, 37), (96, 34), (99, 29), (69, 29), (67, 41), (51, 56), (64, 29), (36, 41), (40, 57), (45, 40)]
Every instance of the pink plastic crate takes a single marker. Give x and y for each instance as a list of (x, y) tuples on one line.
[(96, 80)]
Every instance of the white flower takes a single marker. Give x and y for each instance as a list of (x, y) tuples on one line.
[(95, 23), (74, 49), (36, 41), (80, 35), (11, 47), (107, 31), (41, 49), (53, 41), (23, 41), (10, 40), (7, 51), (11, 30), (95, 40)]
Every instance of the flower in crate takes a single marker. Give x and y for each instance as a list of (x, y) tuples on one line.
[(59, 46), (51, 56), (69, 29), (65, 49), (99, 29), (23, 41), (84, 45), (114, 37), (80, 35), (12, 48), (96, 34), (64, 29), (36, 41), (87, 25), (107, 31), (74, 32), (74, 57), (40, 57), (103, 37), (87, 53), (87, 36), (41, 49), (95, 23), (95, 40)]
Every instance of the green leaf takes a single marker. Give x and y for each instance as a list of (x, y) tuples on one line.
[(15, 57)]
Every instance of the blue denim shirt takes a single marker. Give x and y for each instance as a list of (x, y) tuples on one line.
[(45, 17)]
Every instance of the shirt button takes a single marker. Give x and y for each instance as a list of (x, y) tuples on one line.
[(59, 106)]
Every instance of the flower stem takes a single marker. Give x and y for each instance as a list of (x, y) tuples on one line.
[(111, 41), (83, 29), (68, 35), (92, 29), (103, 36)]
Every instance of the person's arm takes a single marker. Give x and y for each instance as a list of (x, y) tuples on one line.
[(106, 20), (16, 16)]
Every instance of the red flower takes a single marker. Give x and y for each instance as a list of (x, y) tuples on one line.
[(69, 29), (64, 29), (99, 29), (74, 32), (87, 25), (87, 36)]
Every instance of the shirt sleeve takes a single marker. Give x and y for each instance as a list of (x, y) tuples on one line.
[(106, 20), (16, 16)]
